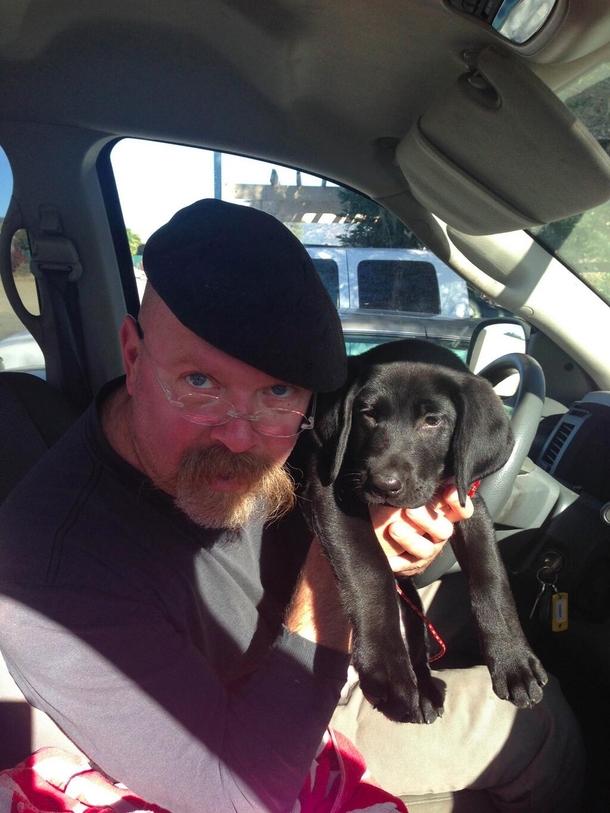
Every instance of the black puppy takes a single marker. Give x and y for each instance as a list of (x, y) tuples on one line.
[(411, 415)]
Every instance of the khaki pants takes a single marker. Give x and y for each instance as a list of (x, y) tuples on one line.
[(483, 754)]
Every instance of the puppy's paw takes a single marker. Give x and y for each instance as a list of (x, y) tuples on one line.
[(431, 708), (519, 677), (431, 699), (390, 685)]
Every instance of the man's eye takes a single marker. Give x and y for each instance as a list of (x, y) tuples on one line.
[(281, 390), (198, 381)]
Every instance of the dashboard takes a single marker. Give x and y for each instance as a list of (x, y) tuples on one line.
[(577, 452)]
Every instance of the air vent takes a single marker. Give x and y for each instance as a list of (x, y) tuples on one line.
[(561, 437)]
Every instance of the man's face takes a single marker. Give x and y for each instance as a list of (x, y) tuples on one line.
[(216, 474)]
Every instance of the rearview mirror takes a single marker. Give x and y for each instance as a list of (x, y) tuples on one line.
[(516, 20)]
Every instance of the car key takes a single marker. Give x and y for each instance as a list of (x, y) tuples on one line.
[(542, 602)]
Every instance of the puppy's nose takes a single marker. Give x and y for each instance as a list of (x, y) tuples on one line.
[(386, 483)]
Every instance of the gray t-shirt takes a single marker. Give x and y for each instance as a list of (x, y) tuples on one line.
[(157, 645)]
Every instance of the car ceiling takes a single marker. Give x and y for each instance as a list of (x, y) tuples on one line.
[(337, 86), (337, 81)]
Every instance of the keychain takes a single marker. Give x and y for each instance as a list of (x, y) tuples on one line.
[(552, 606), (559, 612)]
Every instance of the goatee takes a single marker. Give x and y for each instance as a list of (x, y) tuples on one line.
[(265, 489)]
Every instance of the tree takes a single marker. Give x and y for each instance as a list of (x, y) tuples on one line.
[(135, 241), (372, 226), (582, 241), (20, 253)]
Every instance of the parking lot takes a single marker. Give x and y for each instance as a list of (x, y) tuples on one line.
[(9, 322)]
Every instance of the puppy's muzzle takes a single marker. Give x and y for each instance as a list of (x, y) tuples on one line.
[(388, 486)]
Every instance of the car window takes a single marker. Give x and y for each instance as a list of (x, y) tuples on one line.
[(366, 258), (18, 349), (581, 241), (355, 343), (328, 271)]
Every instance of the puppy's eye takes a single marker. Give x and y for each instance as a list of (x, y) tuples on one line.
[(432, 420), (369, 412)]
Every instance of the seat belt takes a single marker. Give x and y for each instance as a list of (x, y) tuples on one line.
[(57, 266)]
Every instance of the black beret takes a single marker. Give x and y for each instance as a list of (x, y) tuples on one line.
[(241, 280)]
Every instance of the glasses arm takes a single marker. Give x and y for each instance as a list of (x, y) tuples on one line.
[(309, 420), (164, 389)]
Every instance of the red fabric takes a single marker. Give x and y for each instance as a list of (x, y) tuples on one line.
[(338, 782), (55, 781)]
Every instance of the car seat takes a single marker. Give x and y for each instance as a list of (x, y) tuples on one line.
[(33, 416)]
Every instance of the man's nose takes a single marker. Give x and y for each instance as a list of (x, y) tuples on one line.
[(237, 435)]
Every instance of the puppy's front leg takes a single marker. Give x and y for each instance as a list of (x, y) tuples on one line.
[(418, 638), (369, 596), (517, 674)]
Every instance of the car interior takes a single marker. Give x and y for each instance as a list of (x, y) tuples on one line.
[(476, 132)]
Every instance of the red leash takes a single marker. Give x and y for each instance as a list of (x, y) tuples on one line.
[(431, 629), (433, 632)]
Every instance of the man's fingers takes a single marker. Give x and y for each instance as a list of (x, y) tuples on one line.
[(430, 521), (413, 537), (453, 510), (402, 539)]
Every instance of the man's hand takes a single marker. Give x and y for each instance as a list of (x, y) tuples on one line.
[(413, 537)]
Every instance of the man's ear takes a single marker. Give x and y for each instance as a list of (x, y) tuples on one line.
[(130, 349)]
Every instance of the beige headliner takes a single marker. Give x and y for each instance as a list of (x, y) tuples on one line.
[(338, 84), (337, 77)]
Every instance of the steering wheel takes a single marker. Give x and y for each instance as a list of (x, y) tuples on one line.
[(496, 488)]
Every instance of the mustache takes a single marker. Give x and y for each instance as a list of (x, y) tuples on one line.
[(206, 463), (266, 487)]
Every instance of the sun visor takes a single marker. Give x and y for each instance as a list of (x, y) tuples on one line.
[(501, 152)]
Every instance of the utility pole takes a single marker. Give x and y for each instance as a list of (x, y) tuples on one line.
[(217, 175)]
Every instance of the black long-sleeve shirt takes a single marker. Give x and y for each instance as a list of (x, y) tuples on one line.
[(157, 645)]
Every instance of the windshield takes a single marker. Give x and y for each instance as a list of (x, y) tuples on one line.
[(581, 241)]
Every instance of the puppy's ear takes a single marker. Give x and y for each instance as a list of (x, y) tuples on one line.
[(333, 427), (345, 427), (483, 437)]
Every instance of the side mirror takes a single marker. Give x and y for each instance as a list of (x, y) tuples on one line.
[(493, 338)]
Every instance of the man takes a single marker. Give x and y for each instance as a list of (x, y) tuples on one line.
[(192, 648)]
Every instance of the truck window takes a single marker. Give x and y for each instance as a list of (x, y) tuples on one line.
[(328, 271), (398, 285)]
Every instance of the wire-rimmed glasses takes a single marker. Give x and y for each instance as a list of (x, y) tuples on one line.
[(212, 410)]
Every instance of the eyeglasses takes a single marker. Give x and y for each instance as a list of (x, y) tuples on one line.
[(211, 410)]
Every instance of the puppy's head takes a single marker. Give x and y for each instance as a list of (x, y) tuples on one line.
[(400, 428)]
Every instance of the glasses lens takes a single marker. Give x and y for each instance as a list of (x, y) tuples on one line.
[(207, 410), (280, 423)]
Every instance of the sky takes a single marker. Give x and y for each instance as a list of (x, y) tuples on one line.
[(154, 180), (6, 183)]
